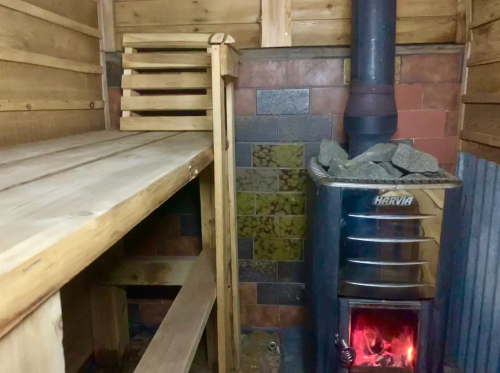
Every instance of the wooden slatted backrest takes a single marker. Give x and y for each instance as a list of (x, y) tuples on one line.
[(167, 81)]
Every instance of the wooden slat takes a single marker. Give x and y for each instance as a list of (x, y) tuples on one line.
[(36, 149), (81, 11), (482, 138), (482, 118), (490, 153), (230, 58), (485, 43), (22, 82), (174, 41), (481, 98), (247, 35), (303, 10), (176, 81), (484, 11), (483, 79), (35, 346), (28, 126), (37, 12), (166, 103), (75, 216), (38, 105), (408, 31), (139, 61), (107, 25), (23, 32), (461, 34), (109, 324), (105, 91), (147, 271), (174, 344), (276, 23), (29, 170), (14, 55), (149, 13), (166, 124)]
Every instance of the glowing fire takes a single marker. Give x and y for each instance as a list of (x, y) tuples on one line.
[(373, 350)]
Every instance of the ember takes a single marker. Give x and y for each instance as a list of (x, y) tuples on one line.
[(378, 348)]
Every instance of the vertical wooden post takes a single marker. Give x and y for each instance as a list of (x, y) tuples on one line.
[(232, 217), (109, 323), (276, 23), (106, 12), (35, 345)]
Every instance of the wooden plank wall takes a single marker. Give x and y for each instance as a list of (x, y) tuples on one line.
[(481, 99), (255, 23), (50, 69)]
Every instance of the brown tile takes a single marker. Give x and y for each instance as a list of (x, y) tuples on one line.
[(114, 97), (262, 74), (245, 101), (408, 96), (329, 100), (420, 123), (167, 225), (315, 73), (292, 316), (441, 96), (443, 148), (180, 246), (431, 68), (259, 316), (153, 311), (248, 293), (140, 240), (451, 126)]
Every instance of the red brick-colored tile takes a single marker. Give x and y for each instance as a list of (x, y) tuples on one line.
[(408, 96), (451, 126), (153, 311), (431, 68), (260, 316), (180, 246), (248, 293), (441, 96), (114, 97), (245, 101), (338, 128), (449, 167), (292, 316), (315, 73), (443, 148), (262, 74), (415, 124), (328, 100)]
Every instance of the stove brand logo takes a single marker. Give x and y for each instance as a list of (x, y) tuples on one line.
[(397, 201)]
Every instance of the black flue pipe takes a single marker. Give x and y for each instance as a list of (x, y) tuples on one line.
[(370, 116)]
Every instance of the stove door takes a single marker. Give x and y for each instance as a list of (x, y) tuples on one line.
[(389, 243)]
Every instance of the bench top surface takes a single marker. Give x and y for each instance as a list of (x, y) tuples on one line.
[(64, 202)]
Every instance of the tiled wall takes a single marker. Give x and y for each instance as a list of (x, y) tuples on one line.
[(284, 108)]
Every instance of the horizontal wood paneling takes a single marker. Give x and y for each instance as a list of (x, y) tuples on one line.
[(490, 153), (485, 43), (247, 35), (42, 105), (408, 31), (484, 11), (339, 9), (484, 79), (28, 126), (174, 12), (31, 82), (82, 11), (23, 32), (482, 118)]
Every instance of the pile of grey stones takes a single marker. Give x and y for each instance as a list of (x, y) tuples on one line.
[(381, 161)]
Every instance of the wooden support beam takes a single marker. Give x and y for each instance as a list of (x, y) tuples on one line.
[(174, 344), (109, 324), (35, 345), (276, 23), (106, 11), (229, 61), (147, 271)]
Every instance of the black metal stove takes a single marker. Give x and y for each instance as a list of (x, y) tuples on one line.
[(382, 256)]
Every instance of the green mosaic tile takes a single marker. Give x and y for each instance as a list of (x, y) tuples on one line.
[(278, 155), (256, 180), (257, 226), (293, 180), (245, 203), (292, 227), (278, 249), (280, 203)]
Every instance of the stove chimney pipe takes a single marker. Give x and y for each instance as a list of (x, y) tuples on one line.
[(370, 116)]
